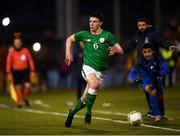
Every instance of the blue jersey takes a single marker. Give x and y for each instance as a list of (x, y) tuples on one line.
[(149, 69)]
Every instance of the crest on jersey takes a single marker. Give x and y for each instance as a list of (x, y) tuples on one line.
[(101, 40), (152, 67), (23, 57)]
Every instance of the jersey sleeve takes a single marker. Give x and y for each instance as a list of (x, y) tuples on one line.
[(112, 39), (78, 36)]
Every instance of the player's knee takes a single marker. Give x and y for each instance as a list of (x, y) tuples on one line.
[(94, 84), (27, 85), (92, 91), (148, 88)]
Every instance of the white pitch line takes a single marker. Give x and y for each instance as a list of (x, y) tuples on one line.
[(99, 118), (4, 106), (41, 103), (124, 114), (110, 113), (163, 128)]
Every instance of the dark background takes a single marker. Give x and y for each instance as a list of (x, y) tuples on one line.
[(38, 19), (49, 22)]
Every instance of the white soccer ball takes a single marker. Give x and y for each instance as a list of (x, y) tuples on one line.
[(135, 118)]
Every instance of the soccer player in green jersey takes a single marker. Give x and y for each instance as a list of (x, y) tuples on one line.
[(96, 43)]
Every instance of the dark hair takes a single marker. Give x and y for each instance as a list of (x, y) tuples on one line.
[(17, 35), (144, 20), (148, 45), (98, 15)]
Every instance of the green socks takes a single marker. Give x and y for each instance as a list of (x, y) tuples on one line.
[(90, 101), (77, 107)]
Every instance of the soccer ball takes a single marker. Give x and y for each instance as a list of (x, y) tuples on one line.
[(135, 118)]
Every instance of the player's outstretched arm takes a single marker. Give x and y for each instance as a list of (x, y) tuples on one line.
[(68, 55), (115, 49)]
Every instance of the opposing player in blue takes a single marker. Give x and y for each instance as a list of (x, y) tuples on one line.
[(146, 33), (150, 67)]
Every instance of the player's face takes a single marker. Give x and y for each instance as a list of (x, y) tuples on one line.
[(94, 24), (148, 53), (17, 43), (142, 26)]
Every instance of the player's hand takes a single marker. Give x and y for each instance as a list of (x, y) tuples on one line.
[(172, 47), (68, 59), (153, 92), (112, 50), (9, 77), (33, 78), (156, 77), (33, 73), (149, 88), (138, 81), (84, 99)]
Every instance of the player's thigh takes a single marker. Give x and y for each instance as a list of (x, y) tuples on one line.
[(27, 84), (92, 76), (145, 82), (92, 80), (89, 74)]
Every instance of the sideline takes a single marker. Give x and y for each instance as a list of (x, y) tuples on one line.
[(99, 118), (3, 106)]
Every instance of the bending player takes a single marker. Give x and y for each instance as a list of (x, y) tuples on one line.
[(151, 67)]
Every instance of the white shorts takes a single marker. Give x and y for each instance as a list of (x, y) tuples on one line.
[(86, 70)]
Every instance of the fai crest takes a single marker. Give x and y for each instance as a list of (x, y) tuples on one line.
[(101, 40)]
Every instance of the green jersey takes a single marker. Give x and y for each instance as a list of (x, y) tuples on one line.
[(96, 48)]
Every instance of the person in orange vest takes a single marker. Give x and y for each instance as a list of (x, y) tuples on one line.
[(19, 66)]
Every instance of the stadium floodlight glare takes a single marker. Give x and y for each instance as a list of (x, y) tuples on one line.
[(36, 46), (6, 21)]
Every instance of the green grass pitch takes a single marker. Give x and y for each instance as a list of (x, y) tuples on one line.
[(49, 110)]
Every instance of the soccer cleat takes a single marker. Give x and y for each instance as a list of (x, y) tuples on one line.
[(150, 114), (69, 120), (27, 103), (157, 118), (19, 106), (165, 117), (87, 119)]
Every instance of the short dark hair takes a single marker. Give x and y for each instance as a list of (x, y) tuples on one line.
[(17, 35), (148, 45), (143, 19), (98, 15)]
